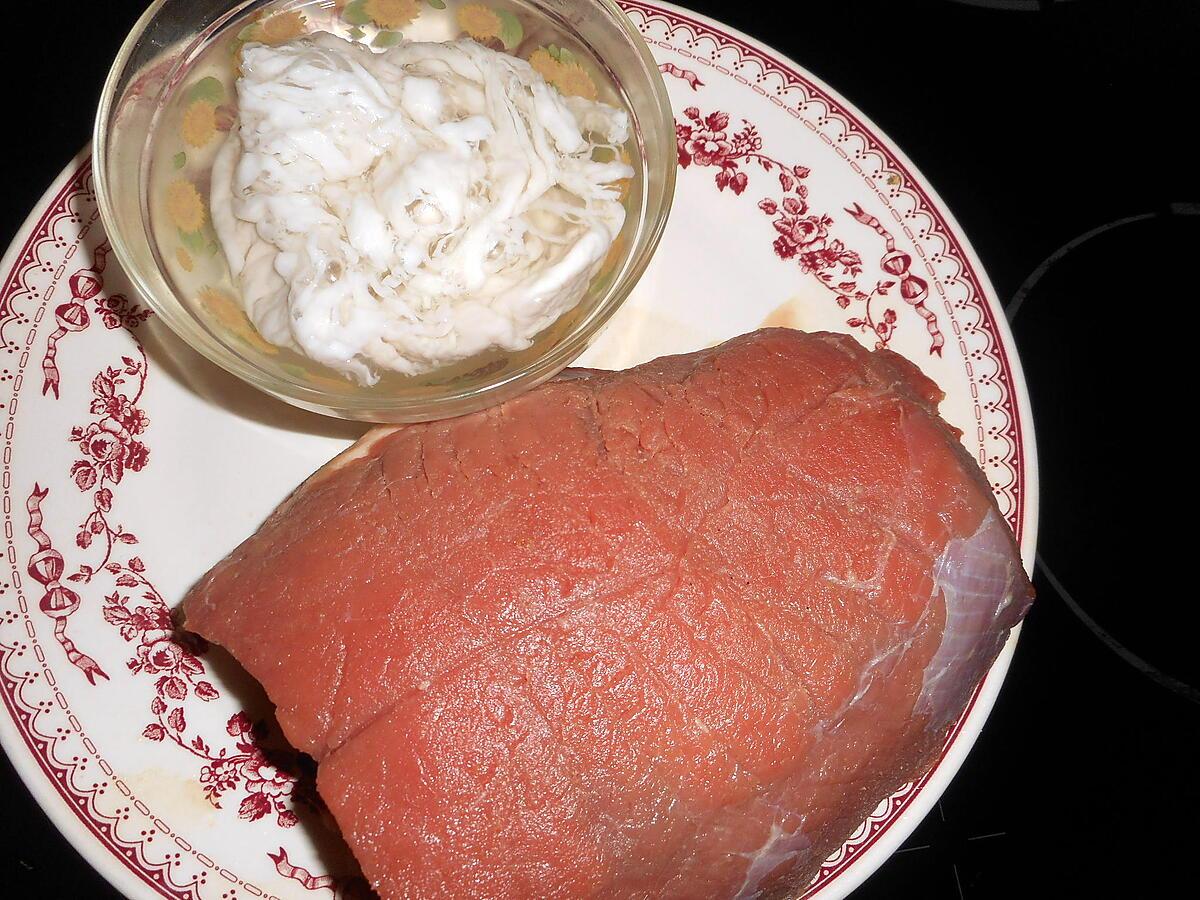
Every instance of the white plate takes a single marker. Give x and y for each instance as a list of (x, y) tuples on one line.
[(792, 209)]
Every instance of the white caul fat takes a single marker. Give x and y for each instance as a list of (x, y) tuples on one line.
[(406, 209)]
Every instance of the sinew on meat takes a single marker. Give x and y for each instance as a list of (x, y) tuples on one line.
[(666, 632)]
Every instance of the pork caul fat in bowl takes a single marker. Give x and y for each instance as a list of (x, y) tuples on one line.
[(390, 210)]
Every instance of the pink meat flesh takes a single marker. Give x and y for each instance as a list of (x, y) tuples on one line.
[(667, 632)]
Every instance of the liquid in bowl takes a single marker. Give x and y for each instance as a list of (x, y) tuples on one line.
[(198, 108)]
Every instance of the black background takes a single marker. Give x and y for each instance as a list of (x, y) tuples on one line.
[(1055, 131)]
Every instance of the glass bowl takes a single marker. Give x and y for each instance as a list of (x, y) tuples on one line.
[(167, 62)]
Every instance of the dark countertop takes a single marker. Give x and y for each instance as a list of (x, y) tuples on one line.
[(1054, 131)]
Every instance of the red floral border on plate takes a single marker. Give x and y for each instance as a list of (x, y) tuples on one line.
[(64, 224), (61, 210), (803, 235)]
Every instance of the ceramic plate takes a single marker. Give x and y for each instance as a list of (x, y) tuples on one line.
[(131, 465)]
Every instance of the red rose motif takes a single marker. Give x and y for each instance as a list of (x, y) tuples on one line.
[(219, 776), (834, 255), (238, 724), (136, 456), (155, 624), (109, 442), (708, 148), (807, 230), (160, 656), (815, 261), (135, 420), (784, 247), (103, 441), (158, 632), (263, 778), (119, 408)]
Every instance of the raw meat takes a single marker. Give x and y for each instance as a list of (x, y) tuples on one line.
[(668, 632)]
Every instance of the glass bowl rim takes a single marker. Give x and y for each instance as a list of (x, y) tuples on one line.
[(397, 407)]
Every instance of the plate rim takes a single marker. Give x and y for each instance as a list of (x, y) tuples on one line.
[(869, 855), (28, 766)]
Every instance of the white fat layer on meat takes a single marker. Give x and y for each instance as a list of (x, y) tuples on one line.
[(781, 846), (977, 576), (406, 209), (886, 659)]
